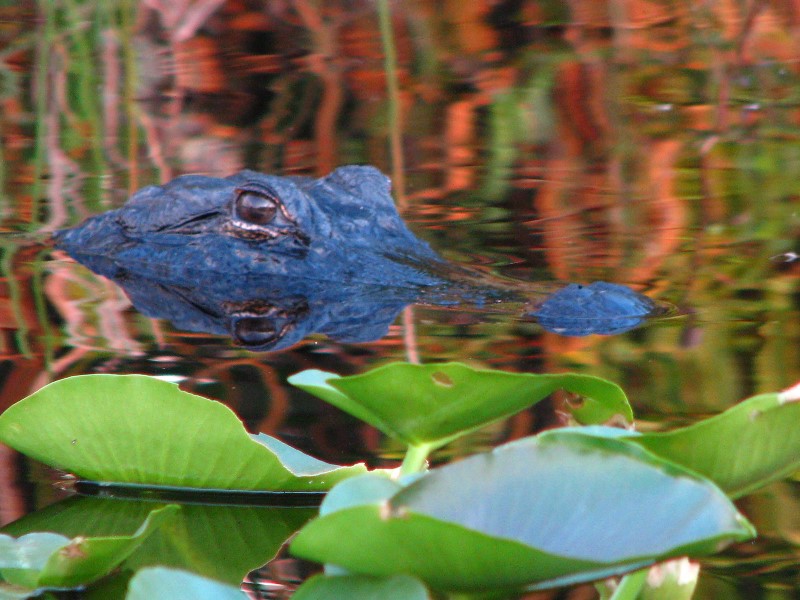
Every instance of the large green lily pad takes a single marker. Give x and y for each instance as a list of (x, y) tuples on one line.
[(543, 511), (138, 429), (434, 404)]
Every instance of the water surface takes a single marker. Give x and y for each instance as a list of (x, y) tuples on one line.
[(657, 148)]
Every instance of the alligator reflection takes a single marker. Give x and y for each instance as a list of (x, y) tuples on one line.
[(270, 260), (262, 315)]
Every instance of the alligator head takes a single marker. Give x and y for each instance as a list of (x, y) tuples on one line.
[(225, 252), (341, 229)]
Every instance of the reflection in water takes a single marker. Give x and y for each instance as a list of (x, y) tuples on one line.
[(644, 142), (270, 260), (275, 316), (222, 542), (267, 316)]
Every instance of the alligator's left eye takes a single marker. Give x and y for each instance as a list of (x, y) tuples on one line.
[(257, 207)]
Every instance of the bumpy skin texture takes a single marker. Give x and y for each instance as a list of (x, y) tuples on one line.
[(341, 229), (270, 259)]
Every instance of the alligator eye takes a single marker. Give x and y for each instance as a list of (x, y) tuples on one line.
[(255, 207)]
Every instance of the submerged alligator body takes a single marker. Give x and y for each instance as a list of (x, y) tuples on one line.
[(270, 259)]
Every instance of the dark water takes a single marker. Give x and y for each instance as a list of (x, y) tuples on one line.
[(656, 147)]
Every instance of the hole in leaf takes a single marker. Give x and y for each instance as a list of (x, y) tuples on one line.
[(442, 379), (574, 401)]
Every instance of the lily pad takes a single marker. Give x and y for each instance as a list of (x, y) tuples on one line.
[(543, 511), (161, 583), (741, 449), (356, 491), (234, 539), (434, 404), (361, 587), (138, 429), (747, 446), (45, 559)]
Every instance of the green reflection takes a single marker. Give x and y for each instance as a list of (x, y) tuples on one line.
[(220, 542)]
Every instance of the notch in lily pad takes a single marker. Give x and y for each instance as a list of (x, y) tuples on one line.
[(134, 429), (427, 406)]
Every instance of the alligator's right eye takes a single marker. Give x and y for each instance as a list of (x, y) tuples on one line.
[(255, 207)]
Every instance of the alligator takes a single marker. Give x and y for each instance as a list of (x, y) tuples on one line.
[(234, 253)]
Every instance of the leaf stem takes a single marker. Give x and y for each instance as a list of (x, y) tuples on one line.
[(631, 585), (415, 459)]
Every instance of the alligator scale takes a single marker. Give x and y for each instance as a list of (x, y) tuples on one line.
[(270, 259)]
